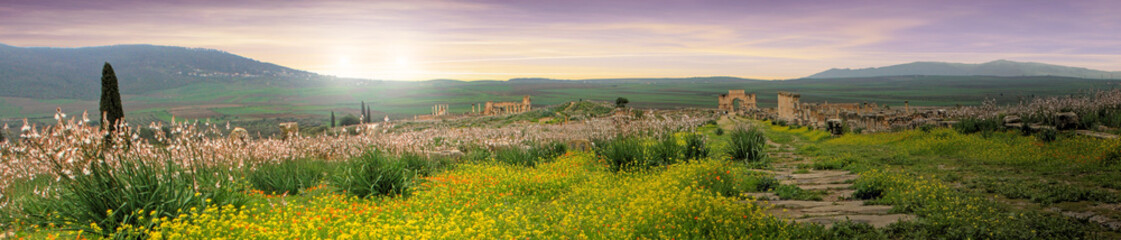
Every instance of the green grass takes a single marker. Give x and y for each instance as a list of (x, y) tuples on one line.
[(972, 185)]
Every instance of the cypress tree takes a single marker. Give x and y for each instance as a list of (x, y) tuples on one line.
[(362, 112), (332, 118), (111, 110), (368, 120)]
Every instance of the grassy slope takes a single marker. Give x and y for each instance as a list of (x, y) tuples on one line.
[(951, 180)]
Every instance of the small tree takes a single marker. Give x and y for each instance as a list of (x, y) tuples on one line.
[(362, 112), (332, 118), (621, 102), (111, 109), (348, 120)]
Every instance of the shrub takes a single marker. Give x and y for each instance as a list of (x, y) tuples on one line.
[(422, 165), (530, 157), (288, 176), (747, 144), (975, 125), (104, 199), (1111, 158), (348, 120), (695, 147), (373, 173), (622, 153), (927, 127), (1047, 135), (516, 156), (549, 151), (764, 184), (719, 131), (665, 151)]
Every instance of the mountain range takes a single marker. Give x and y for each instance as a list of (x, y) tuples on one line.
[(49, 73), (999, 68), (74, 73)]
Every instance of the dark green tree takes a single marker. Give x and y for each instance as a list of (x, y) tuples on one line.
[(348, 120), (111, 109), (368, 120), (621, 102), (332, 118), (362, 113)]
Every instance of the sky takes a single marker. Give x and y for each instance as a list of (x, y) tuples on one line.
[(579, 39)]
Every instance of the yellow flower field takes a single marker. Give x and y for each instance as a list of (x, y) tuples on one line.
[(573, 197)]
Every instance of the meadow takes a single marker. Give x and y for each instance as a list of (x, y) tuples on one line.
[(256, 103), (659, 174)]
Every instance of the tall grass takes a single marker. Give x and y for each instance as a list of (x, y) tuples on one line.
[(622, 153), (696, 147), (530, 157), (373, 173), (288, 176), (120, 199), (747, 144)]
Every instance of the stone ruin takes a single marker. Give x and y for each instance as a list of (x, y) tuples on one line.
[(834, 117), (727, 102), (438, 110), (289, 129), (494, 108)]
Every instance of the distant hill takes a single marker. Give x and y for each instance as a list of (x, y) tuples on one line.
[(75, 73), (1001, 68)]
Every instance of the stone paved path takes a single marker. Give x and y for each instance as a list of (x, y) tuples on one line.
[(837, 203)]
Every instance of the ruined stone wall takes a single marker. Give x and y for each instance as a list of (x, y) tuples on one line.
[(787, 105), (493, 108)]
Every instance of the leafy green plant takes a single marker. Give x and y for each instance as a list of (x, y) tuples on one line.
[(719, 131), (747, 144), (1047, 135), (107, 199), (623, 153), (696, 147), (373, 173), (975, 125), (287, 176), (666, 151)]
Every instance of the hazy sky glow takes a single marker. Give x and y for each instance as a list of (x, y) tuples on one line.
[(468, 40)]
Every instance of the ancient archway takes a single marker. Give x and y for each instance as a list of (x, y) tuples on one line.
[(736, 100)]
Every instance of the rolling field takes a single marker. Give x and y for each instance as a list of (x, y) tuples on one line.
[(403, 100)]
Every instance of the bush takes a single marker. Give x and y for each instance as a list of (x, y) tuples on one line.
[(515, 156), (530, 157), (373, 173), (695, 147), (288, 176), (665, 151), (719, 131), (348, 120), (747, 144), (421, 165), (1047, 135), (623, 153), (975, 125), (927, 127), (121, 199)]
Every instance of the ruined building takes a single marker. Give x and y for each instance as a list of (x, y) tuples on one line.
[(727, 102), (866, 116), (439, 110), (493, 108), (788, 106)]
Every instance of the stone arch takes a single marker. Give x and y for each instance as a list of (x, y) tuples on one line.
[(736, 100)]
